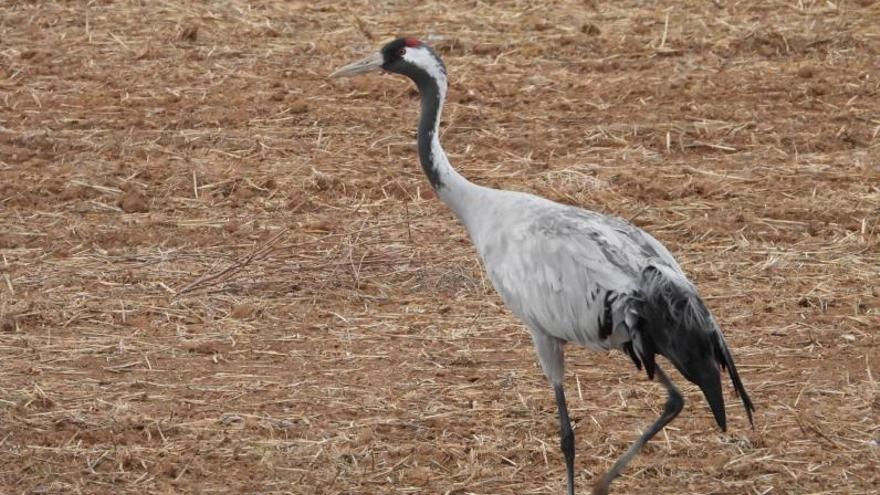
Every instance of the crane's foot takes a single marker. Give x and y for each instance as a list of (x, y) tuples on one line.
[(601, 486)]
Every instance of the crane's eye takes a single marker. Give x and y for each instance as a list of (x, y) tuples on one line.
[(401, 51)]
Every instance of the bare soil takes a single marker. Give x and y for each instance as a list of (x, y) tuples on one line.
[(221, 272)]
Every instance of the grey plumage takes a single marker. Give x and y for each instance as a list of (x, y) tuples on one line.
[(566, 271), (556, 266), (572, 275)]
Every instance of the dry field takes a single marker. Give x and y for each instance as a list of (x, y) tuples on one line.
[(221, 272)]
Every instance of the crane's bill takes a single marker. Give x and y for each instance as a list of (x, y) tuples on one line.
[(372, 63)]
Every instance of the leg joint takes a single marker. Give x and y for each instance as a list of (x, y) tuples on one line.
[(675, 402)]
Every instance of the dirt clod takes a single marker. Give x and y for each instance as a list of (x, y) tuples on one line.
[(189, 33), (134, 201), (806, 71), (590, 29), (299, 106)]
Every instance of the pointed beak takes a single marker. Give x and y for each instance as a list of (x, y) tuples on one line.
[(372, 63)]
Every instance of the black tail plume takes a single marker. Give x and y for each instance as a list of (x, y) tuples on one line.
[(674, 322), (722, 354), (709, 380)]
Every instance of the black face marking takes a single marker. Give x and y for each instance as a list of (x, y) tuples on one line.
[(393, 53)]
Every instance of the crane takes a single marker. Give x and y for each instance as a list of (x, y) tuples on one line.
[(570, 274)]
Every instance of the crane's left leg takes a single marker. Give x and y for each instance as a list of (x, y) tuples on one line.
[(674, 404), (552, 359), (566, 436)]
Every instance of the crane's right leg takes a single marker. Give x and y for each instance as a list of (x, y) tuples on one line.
[(674, 404), (552, 359)]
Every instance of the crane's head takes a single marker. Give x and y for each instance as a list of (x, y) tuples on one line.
[(407, 56)]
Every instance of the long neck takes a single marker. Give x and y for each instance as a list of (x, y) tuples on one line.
[(452, 188)]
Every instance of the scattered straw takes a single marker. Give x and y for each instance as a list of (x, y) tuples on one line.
[(223, 272)]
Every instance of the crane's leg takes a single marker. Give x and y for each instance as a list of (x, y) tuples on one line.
[(566, 436), (674, 404), (552, 359)]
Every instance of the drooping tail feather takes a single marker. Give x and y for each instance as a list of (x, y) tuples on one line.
[(674, 322), (726, 361)]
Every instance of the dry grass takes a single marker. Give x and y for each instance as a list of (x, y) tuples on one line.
[(222, 272)]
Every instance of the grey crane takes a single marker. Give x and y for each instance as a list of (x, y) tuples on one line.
[(570, 274)]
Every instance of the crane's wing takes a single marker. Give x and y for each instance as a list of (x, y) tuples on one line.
[(565, 271)]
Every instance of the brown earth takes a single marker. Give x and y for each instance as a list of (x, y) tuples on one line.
[(221, 272)]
